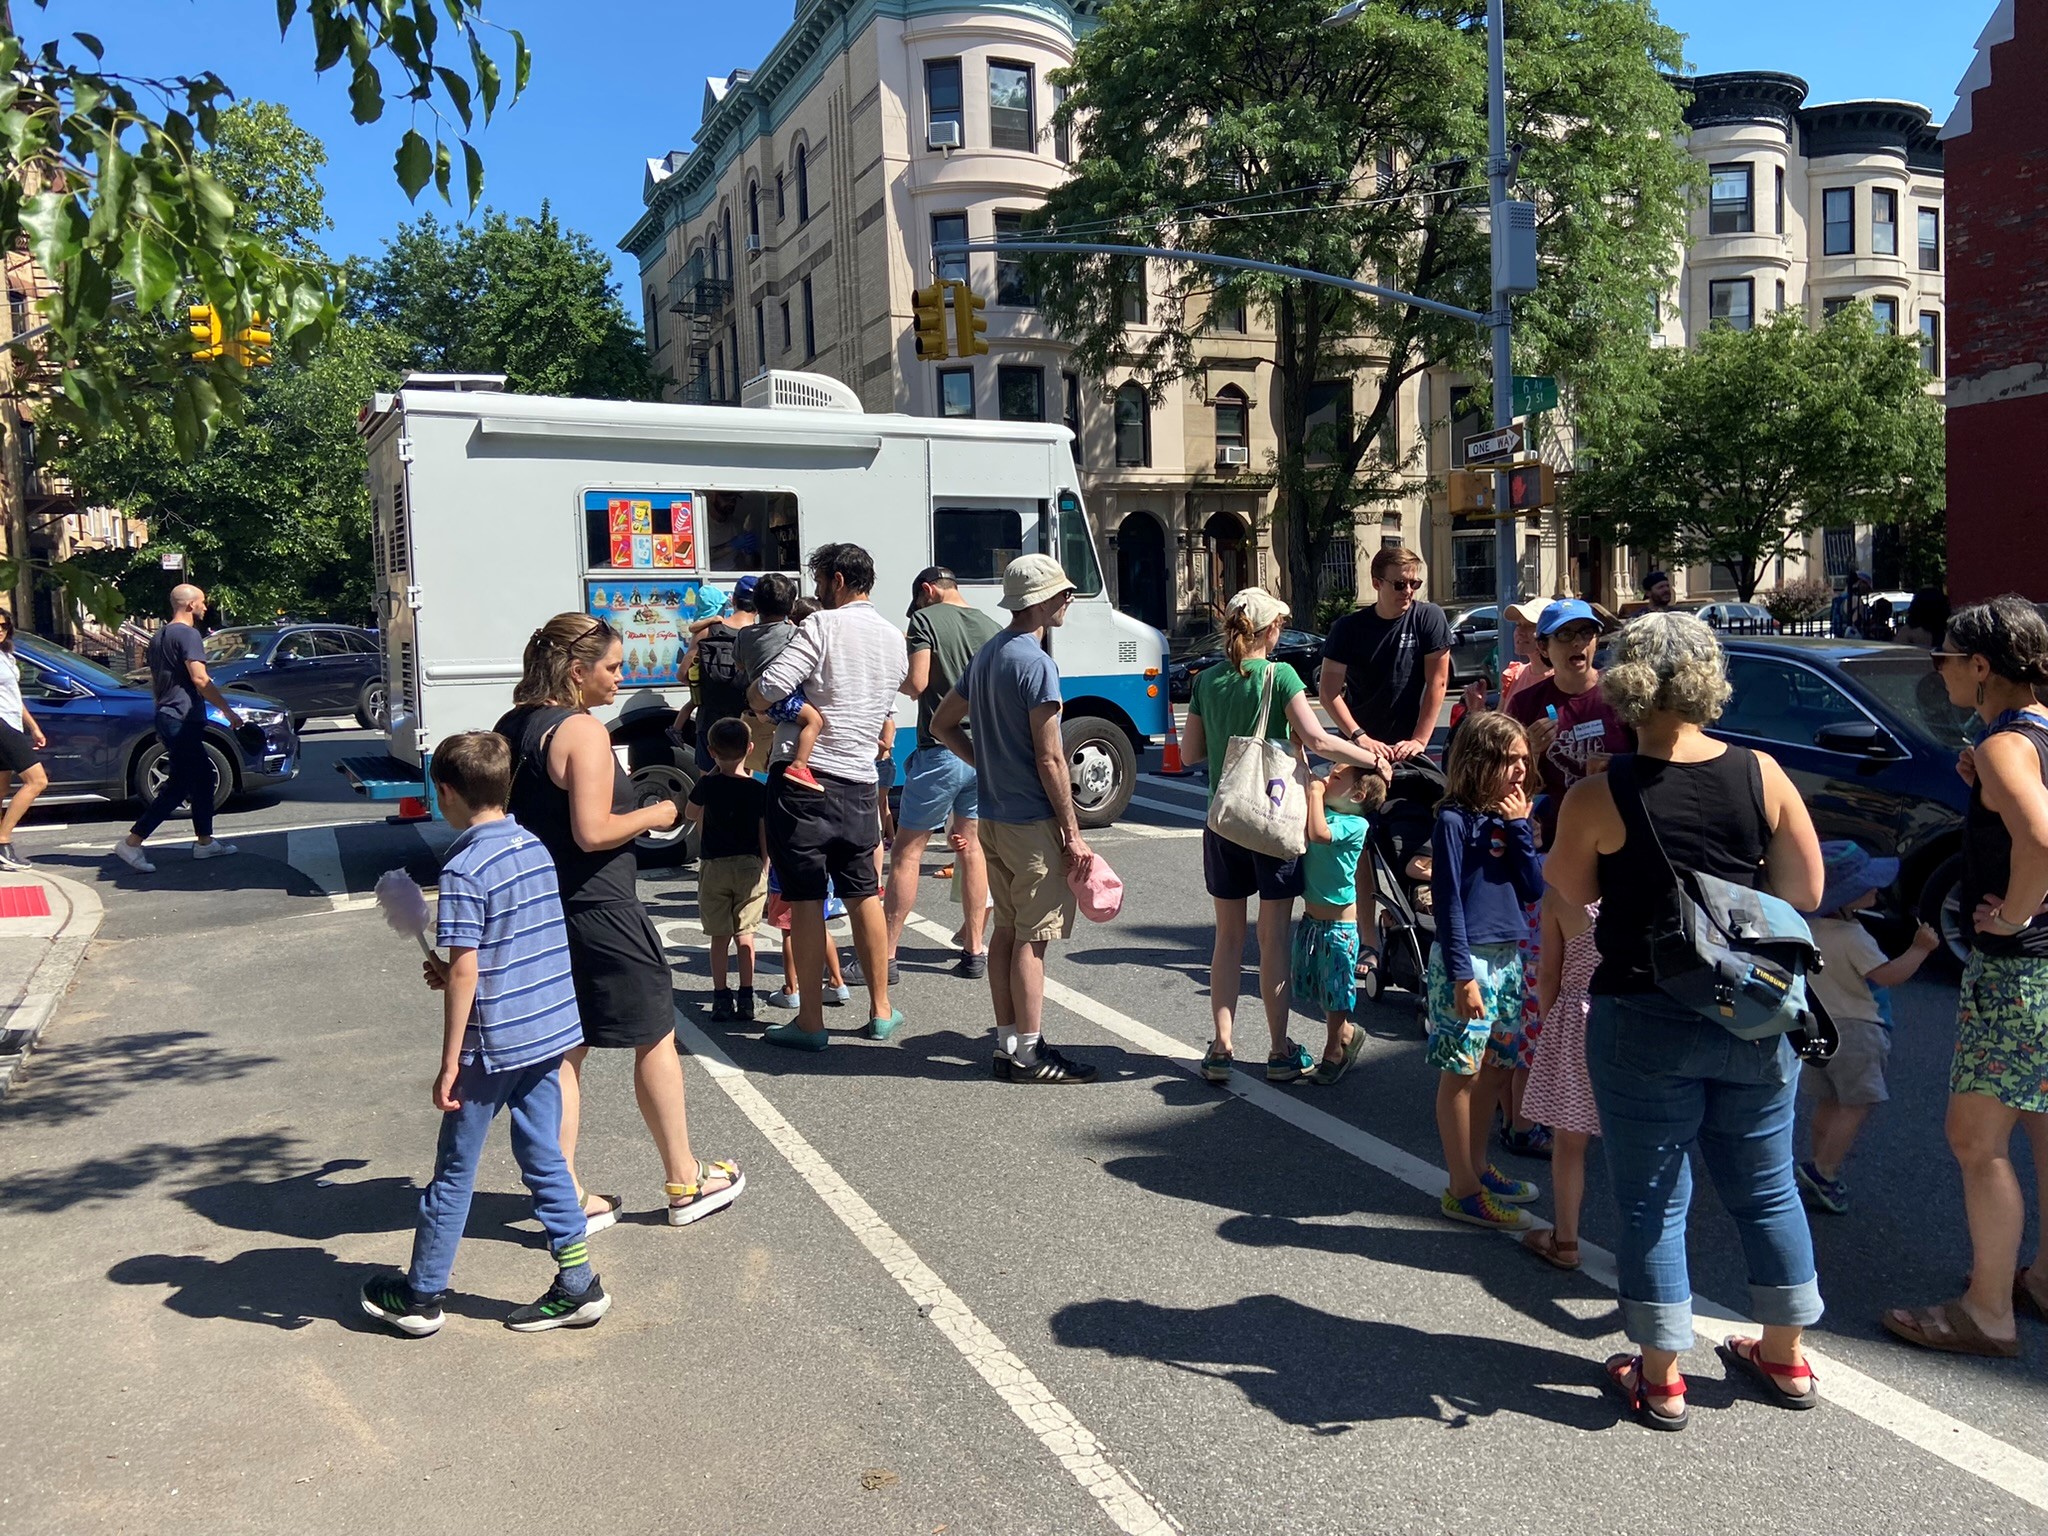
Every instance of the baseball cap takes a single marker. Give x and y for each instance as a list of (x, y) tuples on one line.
[(1847, 872), (1529, 612), (932, 575), (1031, 579), (1651, 578), (743, 593), (1566, 610), (1098, 892), (710, 599), (1259, 607)]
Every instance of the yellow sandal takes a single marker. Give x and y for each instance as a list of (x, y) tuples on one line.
[(693, 1202)]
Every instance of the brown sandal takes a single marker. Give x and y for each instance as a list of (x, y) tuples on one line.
[(2024, 1299), (1947, 1328), (1544, 1244)]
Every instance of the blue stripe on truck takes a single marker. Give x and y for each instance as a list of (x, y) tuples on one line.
[(1126, 690)]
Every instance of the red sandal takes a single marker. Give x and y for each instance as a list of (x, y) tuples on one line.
[(1639, 1394), (1769, 1375)]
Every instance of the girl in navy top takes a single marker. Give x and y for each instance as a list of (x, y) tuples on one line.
[(1484, 872)]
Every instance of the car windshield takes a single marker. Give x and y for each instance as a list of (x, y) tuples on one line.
[(1912, 690), (70, 661), (238, 644)]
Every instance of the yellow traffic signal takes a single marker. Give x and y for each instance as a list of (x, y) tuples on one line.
[(203, 322), (1471, 491), (252, 346), (968, 325), (928, 306)]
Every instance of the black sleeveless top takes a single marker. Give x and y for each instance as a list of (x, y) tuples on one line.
[(1710, 818), (542, 807), (1987, 858)]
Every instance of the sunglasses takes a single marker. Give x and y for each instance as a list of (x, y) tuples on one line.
[(1402, 586), (1939, 658)]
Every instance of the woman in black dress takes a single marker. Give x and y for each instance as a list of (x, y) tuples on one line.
[(569, 791)]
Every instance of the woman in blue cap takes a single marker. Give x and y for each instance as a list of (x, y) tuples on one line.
[(1573, 731)]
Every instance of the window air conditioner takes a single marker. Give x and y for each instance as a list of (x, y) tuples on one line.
[(753, 245), (942, 135), (1233, 453)]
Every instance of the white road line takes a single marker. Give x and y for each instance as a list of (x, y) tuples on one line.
[(315, 852), (1171, 807), (2004, 1466), (1143, 829), (224, 828), (1029, 1398)]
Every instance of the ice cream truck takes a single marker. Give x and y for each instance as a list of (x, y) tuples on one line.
[(494, 511)]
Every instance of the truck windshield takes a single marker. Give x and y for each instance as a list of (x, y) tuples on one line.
[(1076, 550)]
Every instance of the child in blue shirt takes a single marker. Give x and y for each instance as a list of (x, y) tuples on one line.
[(1484, 873), (508, 1015), (1325, 969)]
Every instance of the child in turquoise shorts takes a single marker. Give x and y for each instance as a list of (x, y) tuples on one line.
[(1325, 969), (1484, 872)]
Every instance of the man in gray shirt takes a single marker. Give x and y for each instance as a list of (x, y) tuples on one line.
[(849, 661), (1030, 836)]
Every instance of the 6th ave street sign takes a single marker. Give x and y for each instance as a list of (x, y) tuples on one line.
[(1535, 393), (1495, 447)]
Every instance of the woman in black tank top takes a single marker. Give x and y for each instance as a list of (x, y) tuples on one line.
[(1994, 656), (1663, 1077), (570, 792)]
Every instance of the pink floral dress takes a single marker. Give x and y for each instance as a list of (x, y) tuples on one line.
[(1560, 1094)]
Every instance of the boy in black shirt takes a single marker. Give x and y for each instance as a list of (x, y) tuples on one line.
[(732, 864)]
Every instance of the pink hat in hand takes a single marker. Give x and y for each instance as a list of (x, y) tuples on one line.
[(1097, 890)]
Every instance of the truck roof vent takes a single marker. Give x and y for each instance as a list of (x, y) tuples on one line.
[(781, 389), (457, 383)]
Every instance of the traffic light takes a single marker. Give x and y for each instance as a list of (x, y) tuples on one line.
[(252, 346), (203, 322), (1471, 491), (1531, 486), (968, 325), (928, 306)]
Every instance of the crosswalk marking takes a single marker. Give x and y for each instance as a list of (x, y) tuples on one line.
[(315, 852)]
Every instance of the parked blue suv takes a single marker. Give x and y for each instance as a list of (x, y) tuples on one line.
[(102, 732)]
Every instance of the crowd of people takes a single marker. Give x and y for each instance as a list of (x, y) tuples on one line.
[(1571, 812)]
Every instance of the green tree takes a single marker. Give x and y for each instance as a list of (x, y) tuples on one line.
[(1748, 442), (270, 166), (522, 297), (1248, 128)]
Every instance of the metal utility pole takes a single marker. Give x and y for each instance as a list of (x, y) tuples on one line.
[(1506, 582)]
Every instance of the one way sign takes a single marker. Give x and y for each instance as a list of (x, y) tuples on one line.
[(1495, 447)]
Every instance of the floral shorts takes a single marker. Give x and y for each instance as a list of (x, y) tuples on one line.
[(1325, 968), (2002, 1032), (1495, 1038)]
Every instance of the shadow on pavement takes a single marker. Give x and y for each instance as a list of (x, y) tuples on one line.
[(318, 1207), (1278, 1353), (286, 1288), (45, 1191), (72, 1081)]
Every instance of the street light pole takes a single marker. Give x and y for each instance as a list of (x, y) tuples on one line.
[(1504, 528)]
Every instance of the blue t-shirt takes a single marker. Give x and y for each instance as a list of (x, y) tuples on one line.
[(1485, 871), (1008, 678), (499, 898)]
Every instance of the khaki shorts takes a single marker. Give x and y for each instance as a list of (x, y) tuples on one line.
[(732, 894), (1027, 878), (1855, 1073)]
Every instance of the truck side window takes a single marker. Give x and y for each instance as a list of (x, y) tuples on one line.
[(975, 543), (751, 531)]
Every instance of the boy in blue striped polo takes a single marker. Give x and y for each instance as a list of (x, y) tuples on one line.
[(509, 1014)]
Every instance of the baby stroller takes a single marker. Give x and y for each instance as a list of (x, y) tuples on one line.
[(1397, 850)]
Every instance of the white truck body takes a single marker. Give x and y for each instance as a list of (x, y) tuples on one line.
[(495, 511)]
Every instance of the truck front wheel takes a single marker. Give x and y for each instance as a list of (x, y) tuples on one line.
[(1102, 766), (659, 772)]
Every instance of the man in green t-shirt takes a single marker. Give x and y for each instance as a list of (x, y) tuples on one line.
[(944, 634)]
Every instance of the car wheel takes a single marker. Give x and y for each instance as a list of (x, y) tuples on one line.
[(659, 772), (1941, 907), (152, 767), (1103, 768), (373, 706)]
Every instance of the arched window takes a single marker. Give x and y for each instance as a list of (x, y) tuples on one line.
[(803, 184), (711, 249), (1233, 425), (1133, 425), (725, 228), (754, 212)]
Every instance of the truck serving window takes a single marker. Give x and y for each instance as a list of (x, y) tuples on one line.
[(751, 531), (975, 543)]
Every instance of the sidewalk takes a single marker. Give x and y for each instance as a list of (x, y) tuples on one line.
[(46, 922)]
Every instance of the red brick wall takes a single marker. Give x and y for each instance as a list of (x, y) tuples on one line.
[(1997, 299)]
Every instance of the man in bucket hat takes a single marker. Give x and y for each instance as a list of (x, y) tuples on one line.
[(1030, 837)]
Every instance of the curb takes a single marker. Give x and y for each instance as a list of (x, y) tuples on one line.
[(51, 979)]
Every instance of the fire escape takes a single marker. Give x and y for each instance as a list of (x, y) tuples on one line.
[(700, 298)]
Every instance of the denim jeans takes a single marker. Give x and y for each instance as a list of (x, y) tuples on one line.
[(188, 775), (533, 1096), (1663, 1078)]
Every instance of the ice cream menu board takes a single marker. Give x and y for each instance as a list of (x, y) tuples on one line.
[(642, 530), (653, 622)]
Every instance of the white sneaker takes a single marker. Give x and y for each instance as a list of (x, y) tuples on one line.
[(782, 1000), (132, 856), (838, 997), (213, 850)]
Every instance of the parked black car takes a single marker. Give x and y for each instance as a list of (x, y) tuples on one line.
[(1298, 648), (1475, 633), (312, 669), (1866, 732)]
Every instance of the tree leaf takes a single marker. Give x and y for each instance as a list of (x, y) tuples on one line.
[(366, 93), (286, 10), (148, 267), (473, 169), (91, 44), (522, 65), (487, 81), (415, 163), (458, 92), (50, 222), (443, 167)]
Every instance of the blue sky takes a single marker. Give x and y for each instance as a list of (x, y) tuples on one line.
[(616, 81)]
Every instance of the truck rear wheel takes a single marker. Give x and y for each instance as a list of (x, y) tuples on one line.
[(1102, 766), (659, 772)]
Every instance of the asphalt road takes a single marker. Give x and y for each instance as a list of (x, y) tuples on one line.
[(944, 1304)]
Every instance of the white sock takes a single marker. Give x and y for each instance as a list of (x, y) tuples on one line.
[(1022, 1049)]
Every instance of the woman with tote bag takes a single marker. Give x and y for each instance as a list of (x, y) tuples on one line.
[(1239, 719)]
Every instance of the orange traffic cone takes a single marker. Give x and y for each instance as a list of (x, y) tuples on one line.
[(1170, 763)]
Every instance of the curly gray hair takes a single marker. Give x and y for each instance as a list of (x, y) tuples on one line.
[(1667, 661)]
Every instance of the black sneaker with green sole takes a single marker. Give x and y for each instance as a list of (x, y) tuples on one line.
[(390, 1300), (559, 1309)]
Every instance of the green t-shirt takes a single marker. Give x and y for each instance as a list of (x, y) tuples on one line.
[(1329, 871), (1227, 702), (952, 634)]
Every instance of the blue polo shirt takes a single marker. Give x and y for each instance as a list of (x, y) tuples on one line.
[(499, 897)]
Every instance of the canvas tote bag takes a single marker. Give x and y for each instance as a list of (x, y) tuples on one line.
[(1261, 799)]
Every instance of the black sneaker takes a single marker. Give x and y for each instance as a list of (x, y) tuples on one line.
[(9, 859), (856, 977), (722, 1009), (389, 1299), (744, 1004), (559, 1309), (1048, 1066), (974, 967)]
